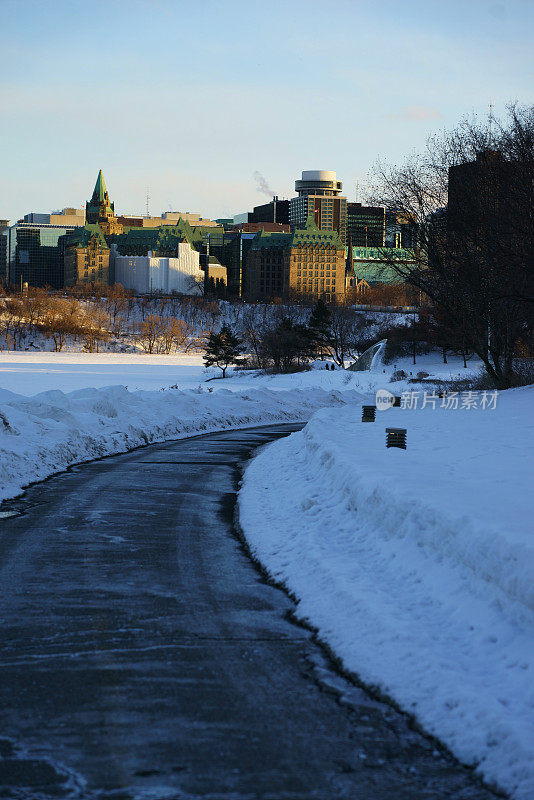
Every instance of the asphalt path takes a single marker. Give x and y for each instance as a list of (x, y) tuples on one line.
[(143, 656)]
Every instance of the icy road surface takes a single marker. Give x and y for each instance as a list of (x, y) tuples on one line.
[(142, 654)]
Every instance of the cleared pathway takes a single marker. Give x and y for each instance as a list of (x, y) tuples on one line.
[(143, 656)]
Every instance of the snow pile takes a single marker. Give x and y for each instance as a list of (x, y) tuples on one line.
[(48, 432), (416, 566)]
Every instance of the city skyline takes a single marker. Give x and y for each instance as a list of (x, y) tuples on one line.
[(198, 107)]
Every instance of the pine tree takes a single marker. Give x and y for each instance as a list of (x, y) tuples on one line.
[(223, 349)]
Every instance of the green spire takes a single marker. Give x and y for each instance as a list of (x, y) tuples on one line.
[(100, 190), (310, 223)]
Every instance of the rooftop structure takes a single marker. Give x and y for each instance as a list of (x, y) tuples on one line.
[(318, 182), (319, 195), (74, 217)]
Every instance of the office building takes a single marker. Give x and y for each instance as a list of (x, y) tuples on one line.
[(275, 211), (366, 225), (4, 225), (488, 201), (33, 254), (308, 262), (319, 196)]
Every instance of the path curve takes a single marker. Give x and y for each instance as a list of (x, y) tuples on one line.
[(142, 655)]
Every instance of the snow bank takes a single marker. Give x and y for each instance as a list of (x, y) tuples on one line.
[(416, 566), (48, 432)]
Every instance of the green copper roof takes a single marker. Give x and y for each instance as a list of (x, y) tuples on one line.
[(377, 272), (374, 263), (80, 237), (100, 190), (266, 239), (165, 238), (309, 235)]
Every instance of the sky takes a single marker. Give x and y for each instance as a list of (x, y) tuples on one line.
[(186, 101)]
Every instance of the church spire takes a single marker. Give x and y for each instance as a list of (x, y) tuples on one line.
[(100, 211), (100, 191)]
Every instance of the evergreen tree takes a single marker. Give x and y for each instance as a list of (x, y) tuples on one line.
[(320, 326), (223, 349)]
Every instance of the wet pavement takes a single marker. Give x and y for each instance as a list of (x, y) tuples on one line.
[(144, 657)]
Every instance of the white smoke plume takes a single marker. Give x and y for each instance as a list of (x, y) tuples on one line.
[(263, 186)]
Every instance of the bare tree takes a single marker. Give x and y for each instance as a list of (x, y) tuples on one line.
[(347, 329), (60, 320), (93, 328), (34, 304), (13, 322), (116, 303), (176, 334), (468, 197), (151, 331), (251, 329)]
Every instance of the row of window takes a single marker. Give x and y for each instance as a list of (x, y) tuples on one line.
[(317, 272), (317, 259), (315, 281)]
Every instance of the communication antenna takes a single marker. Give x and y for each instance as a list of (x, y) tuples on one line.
[(357, 189), (491, 107), (147, 199)]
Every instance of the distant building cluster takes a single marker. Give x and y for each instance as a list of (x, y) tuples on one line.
[(316, 244)]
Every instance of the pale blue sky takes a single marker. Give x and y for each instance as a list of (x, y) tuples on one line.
[(191, 98)]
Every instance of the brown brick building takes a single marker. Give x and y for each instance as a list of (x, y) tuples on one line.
[(86, 256), (307, 263)]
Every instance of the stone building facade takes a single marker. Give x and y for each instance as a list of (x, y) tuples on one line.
[(306, 263), (86, 256)]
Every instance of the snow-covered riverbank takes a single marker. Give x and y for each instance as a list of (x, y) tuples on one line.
[(416, 566)]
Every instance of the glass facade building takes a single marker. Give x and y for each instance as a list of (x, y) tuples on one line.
[(33, 255), (366, 225)]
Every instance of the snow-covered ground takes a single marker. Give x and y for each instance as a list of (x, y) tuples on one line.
[(416, 566), (46, 433), (31, 372)]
